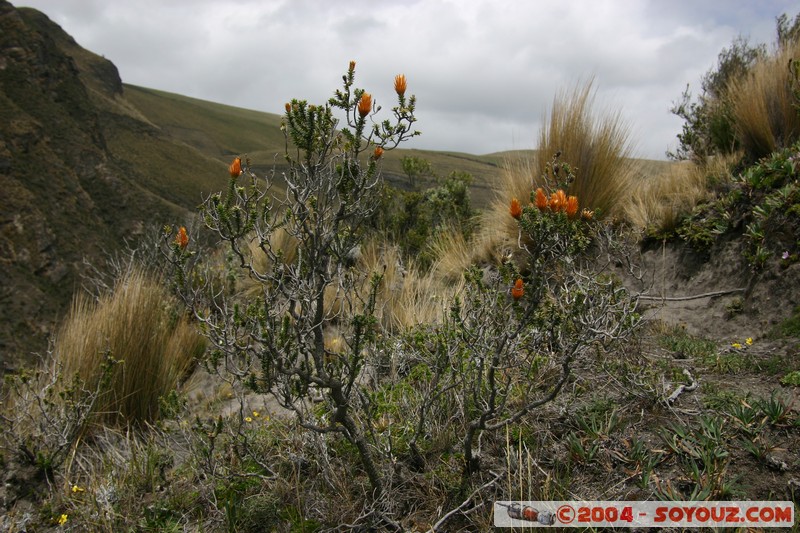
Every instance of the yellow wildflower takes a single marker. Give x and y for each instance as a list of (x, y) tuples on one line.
[(248, 419), (256, 414), (62, 519), (76, 488), (736, 345), (749, 341)]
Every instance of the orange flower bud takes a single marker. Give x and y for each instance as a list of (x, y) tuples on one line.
[(378, 153), (365, 105), (558, 201), (553, 203), (587, 214), (288, 107), (516, 208), (352, 65), (236, 168), (572, 206), (182, 238), (541, 199), (517, 290), (400, 84)]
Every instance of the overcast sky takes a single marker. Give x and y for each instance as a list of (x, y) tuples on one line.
[(484, 71)]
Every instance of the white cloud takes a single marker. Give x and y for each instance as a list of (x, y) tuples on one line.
[(484, 71)]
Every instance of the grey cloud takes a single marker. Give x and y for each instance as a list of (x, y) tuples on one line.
[(484, 71)]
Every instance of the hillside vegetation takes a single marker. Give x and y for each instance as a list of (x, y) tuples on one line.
[(92, 165), (262, 342)]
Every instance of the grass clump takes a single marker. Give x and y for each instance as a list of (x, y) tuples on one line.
[(748, 100), (764, 106), (678, 340), (789, 327), (140, 328), (595, 147)]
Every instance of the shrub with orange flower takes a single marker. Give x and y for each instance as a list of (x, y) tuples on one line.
[(515, 209), (365, 105), (572, 206), (518, 289), (541, 199), (236, 168), (182, 238), (400, 84)]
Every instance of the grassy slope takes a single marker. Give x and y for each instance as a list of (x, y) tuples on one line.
[(220, 131)]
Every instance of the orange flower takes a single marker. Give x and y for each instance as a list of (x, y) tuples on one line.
[(541, 199), (236, 168), (572, 206), (517, 290), (558, 202), (516, 209), (378, 153), (182, 238), (365, 105), (586, 214), (400, 84)]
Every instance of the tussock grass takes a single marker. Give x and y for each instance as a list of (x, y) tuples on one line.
[(763, 106), (659, 202), (406, 296), (139, 326), (452, 252), (596, 146)]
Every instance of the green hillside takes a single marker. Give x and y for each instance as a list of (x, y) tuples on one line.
[(220, 131)]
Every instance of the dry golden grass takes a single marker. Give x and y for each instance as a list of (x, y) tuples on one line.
[(406, 296), (596, 146), (763, 105), (139, 326), (280, 242), (658, 202), (452, 252)]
